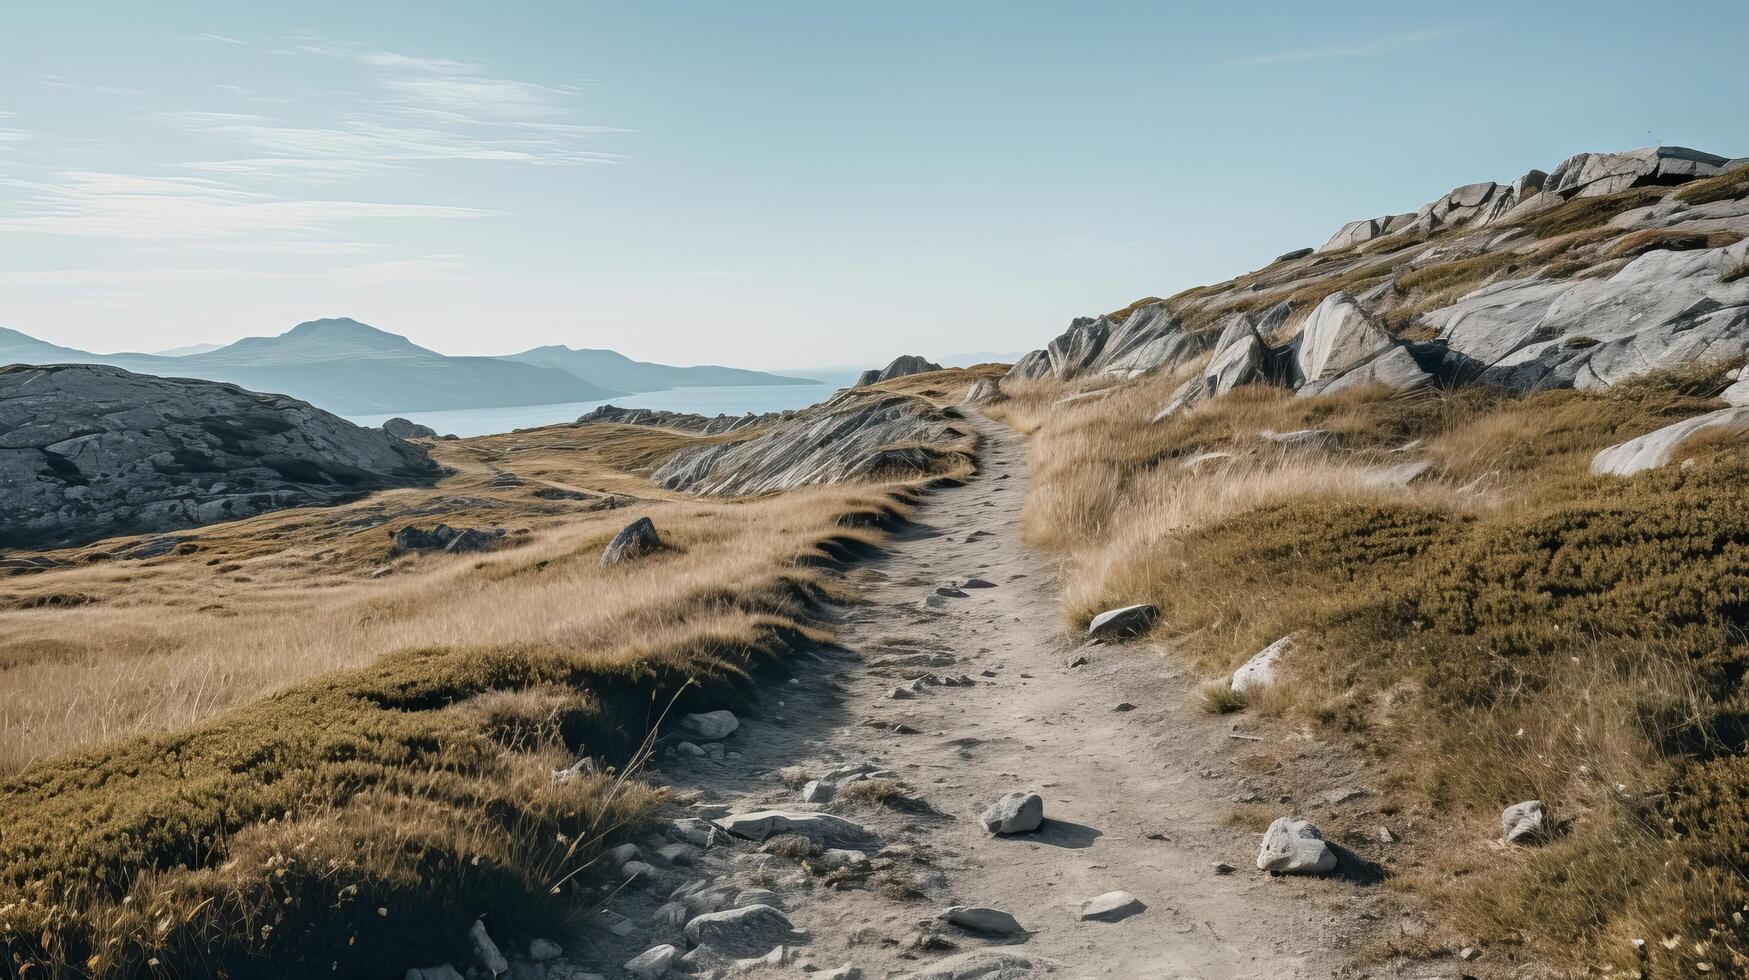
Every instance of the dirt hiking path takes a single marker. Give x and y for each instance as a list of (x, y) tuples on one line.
[(1138, 786)]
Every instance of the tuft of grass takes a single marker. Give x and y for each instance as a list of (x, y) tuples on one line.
[(1218, 698), (1727, 186), (875, 792)]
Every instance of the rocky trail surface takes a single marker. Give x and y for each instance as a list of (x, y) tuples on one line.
[(830, 836)]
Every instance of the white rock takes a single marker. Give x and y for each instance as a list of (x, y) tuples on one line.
[(541, 950), (1014, 813), (485, 950), (693, 831), (1259, 672), (818, 792), (838, 857), (1111, 907), (759, 896), (711, 725), (1523, 823), (1295, 847), (622, 853), (762, 824), (652, 962), (979, 918), (1655, 449)]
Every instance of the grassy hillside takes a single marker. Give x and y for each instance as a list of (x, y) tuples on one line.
[(1503, 627), (280, 750)]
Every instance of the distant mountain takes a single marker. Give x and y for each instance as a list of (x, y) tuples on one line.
[(343, 366), (983, 357), (611, 368), (184, 351)]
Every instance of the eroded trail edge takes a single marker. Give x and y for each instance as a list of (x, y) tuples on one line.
[(955, 685)]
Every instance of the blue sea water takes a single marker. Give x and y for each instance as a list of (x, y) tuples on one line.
[(701, 401)]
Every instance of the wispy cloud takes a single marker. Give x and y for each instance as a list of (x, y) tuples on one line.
[(217, 39), (108, 205), (56, 81), (1358, 49)]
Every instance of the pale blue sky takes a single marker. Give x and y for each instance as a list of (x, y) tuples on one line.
[(769, 184)]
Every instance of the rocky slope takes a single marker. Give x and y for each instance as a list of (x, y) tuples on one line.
[(686, 421), (88, 451), (898, 367), (1611, 265), (857, 434)]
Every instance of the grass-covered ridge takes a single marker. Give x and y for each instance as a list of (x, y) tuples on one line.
[(1505, 627), (397, 787)]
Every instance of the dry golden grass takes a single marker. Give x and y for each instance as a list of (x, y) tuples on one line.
[(268, 602), (1505, 627), (401, 780)]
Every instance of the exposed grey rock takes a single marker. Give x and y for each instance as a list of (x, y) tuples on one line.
[(635, 540), (542, 950), (1259, 671), (1737, 394), (710, 726), (684, 421), (1523, 823), (485, 951), (652, 962), (899, 367), (1125, 621), (1295, 847), (402, 428), (980, 392), (1662, 309), (1151, 336), (750, 930), (442, 537), (845, 972), (818, 827), (1298, 253), (699, 833), (88, 451), (1657, 448), (1340, 346), (852, 436), (1237, 360), (978, 918), (1014, 813), (1595, 174), (1111, 907), (818, 792)]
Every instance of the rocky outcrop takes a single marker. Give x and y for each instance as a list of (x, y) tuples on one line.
[(445, 538), (1238, 359), (1594, 174), (402, 428), (88, 451), (685, 421), (1658, 448), (1340, 346), (1149, 337), (855, 435), (1661, 309), (899, 368)]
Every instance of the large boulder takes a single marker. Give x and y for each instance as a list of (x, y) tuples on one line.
[(88, 451), (1295, 847), (1149, 337), (1657, 448), (1237, 360), (635, 540), (402, 428), (1340, 346), (709, 726), (1595, 174)]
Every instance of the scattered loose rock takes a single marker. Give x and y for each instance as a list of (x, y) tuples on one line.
[(1127, 621), (1295, 847), (652, 962), (818, 827), (978, 918), (751, 930), (1523, 823), (485, 951), (711, 725), (1259, 671), (1014, 813), (1111, 907)]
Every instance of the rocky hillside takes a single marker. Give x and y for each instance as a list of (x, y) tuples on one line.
[(1609, 266), (88, 451)]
